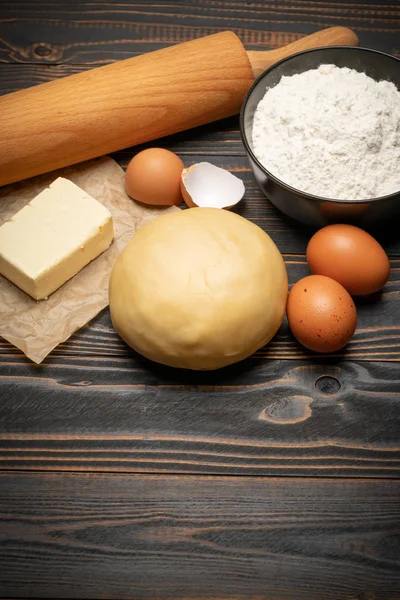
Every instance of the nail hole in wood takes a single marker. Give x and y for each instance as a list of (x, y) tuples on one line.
[(327, 385)]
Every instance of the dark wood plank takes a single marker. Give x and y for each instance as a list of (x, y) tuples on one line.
[(85, 536), (257, 418), (78, 32)]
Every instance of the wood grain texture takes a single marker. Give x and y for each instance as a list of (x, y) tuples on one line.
[(85, 536), (75, 32), (256, 418)]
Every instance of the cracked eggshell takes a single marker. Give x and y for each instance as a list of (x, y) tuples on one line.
[(205, 185)]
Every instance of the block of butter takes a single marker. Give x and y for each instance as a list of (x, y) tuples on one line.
[(53, 237)]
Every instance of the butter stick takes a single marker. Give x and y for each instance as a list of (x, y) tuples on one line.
[(53, 237)]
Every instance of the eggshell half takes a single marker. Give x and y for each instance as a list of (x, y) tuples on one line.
[(205, 185)]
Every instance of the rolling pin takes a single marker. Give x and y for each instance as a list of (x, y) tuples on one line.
[(82, 116)]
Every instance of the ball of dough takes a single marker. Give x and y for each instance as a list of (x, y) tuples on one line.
[(198, 289)]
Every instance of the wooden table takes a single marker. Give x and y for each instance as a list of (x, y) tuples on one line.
[(276, 478)]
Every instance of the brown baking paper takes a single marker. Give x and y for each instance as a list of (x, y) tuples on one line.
[(36, 327)]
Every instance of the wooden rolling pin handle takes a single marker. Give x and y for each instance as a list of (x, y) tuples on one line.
[(334, 36)]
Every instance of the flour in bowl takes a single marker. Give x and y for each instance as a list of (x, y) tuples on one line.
[(331, 132)]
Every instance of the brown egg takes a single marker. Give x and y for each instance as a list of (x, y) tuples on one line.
[(321, 314), (154, 177), (351, 256)]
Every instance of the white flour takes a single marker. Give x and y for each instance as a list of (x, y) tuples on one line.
[(331, 132)]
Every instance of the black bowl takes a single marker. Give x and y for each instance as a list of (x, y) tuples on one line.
[(304, 207)]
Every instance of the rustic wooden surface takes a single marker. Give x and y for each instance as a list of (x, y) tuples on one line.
[(276, 478), (199, 537)]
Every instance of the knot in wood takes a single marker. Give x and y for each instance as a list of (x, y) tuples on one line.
[(44, 50), (327, 385)]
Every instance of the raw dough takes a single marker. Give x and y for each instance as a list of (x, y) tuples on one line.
[(198, 289)]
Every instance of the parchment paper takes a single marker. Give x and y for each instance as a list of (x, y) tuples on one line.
[(36, 327)]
